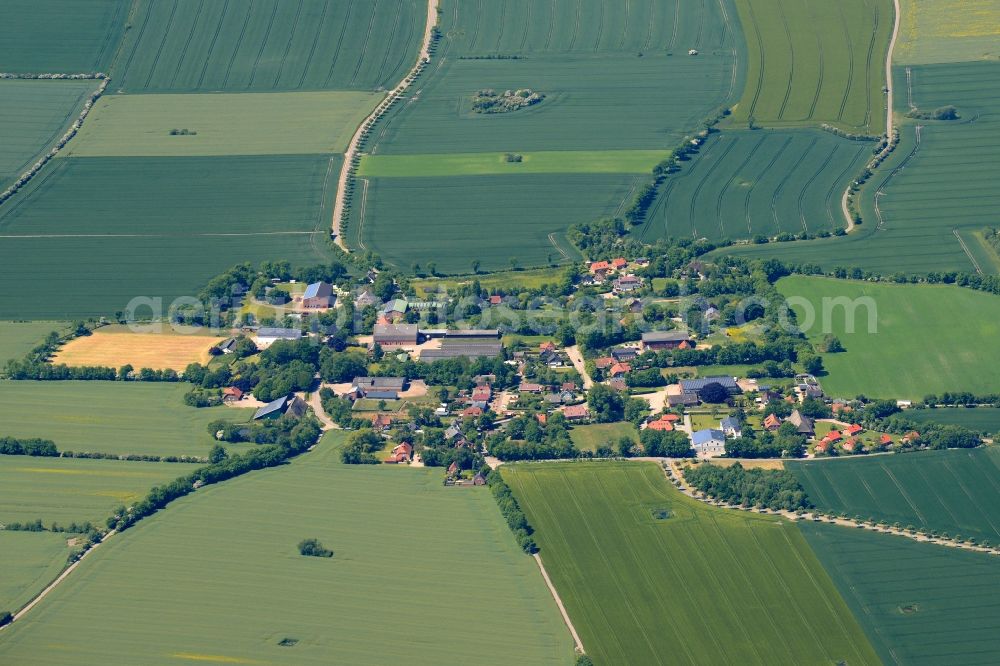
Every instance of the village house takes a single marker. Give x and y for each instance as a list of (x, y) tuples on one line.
[(318, 296), (381, 422), (600, 269), (619, 263), (709, 442), (731, 426), (619, 370), (528, 387), (365, 299), (624, 354), (627, 284), (576, 412), (772, 423), (803, 424), (854, 429), (659, 340), (290, 404), (694, 386), (662, 424), (231, 394), (401, 453), (604, 362)]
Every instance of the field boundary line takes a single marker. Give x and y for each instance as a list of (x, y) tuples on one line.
[(346, 171), (59, 579), (578, 644), (968, 253), (888, 113)]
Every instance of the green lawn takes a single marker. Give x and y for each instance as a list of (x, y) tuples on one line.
[(956, 491), (225, 124), (920, 604), (815, 61), (984, 420), (926, 339), (473, 164), (703, 586), (68, 490), (30, 561), (530, 279), (589, 437), (111, 417), (60, 36), (34, 115), (422, 574), (17, 338)]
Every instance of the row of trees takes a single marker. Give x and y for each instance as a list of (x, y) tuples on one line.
[(511, 512), (770, 489)]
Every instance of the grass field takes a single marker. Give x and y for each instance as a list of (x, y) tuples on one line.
[(93, 233), (60, 36), (33, 116), (226, 124), (111, 417), (938, 31), (190, 45), (814, 62), (954, 351), (449, 219), (30, 561), (411, 557), (704, 585), (114, 347), (17, 338), (589, 437), (745, 183), (531, 279), (920, 604), (936, 186), (956, 491), (481, 164), (982, 419), (65, 490)]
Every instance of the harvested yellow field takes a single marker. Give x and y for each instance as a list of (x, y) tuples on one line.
[(763, 463), (117, 347), (940, 31)]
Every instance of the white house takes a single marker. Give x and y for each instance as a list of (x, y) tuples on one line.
[(709, 442)]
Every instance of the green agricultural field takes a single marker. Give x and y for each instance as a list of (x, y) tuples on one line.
[(239, 45), (747, 183), (60, 36), (66, 490), (955, 350), (920, 604), (483, 164), (111, 417), (589, 437), (643, 590), (17, 338), (937, 31), (225, 124), (449, 220), (30, 561), (935, 192), (957, 491), (815, 62), (982, 419), (94, 233), (405, 584), (532, 279), (33, 116)]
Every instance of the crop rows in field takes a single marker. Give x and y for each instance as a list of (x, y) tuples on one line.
[(884, 357), (957, 492), (939, 183), (33, 115), (68, 490), (187, 125), (814, 62), (701, 586), (477, 27), (948, 31), (615, 78), (920, 604), (17, 338), (111, 417), (30, 561), (233, 45), (92, 233), (745, 183), (60, 36), (984, 420), (408, 553), (483, 164), (454, 220)]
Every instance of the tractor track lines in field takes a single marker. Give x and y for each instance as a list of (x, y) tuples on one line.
[(675, 26), (288, 44), (868, 72), (138, 40), (774, 160), (187, 43), (972, 500), (159, 50), (364, 45), (500, 24), (850, 62), (831, 193), (239, 43), (692, 218), (315, 42), (195, 235), (576, 24), (791, 66), (968, 253), (761, 62), (628, 8), (527, 27), (903, 493), (391, 39), (822, 70), (552, 22), (211, 46), (732, 178), (263, 43), (340, 43), (805, 188), (600, 29), (778, 191)]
